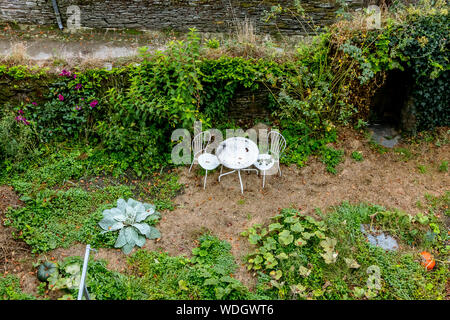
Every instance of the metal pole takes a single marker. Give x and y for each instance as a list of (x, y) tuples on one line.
[(57, 14), (82, 289)]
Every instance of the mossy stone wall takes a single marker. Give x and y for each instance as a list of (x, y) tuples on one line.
[(178, 15)]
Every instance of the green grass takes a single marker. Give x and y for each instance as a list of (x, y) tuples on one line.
[(404, 153), (53, 219), (422, 168), (10, 289), (287, 271), (157, 275), (438, 204), (443, 167)]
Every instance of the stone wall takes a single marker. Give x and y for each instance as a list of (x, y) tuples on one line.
[(250, 105), (205, 15)]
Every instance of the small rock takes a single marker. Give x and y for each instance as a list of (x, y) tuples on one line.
[(355, 144)]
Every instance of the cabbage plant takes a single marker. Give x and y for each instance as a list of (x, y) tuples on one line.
[(128, 217)]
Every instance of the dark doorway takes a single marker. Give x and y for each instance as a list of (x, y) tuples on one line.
[(389, 100)]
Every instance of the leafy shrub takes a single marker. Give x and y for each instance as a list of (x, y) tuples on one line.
[(71, 107), (413, 42), (331, 158), (17, 139), (357, 156), (164, 93), (422, 42), (302, 141), (213, 43)]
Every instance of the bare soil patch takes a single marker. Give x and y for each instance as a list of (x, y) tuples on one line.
[(381, 179)]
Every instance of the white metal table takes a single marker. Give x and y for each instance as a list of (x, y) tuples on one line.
[(237, 153)]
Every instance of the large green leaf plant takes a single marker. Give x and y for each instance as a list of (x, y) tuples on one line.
[(129, 218)]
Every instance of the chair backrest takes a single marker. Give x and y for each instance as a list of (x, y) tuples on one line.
[(277, 143), (200, 142)]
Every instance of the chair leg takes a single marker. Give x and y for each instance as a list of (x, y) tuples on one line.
[(221, 168), (264, 178), (204, 183), (191, 165), (279, 169)]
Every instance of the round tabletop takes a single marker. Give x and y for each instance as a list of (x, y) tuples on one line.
[(237, 153)]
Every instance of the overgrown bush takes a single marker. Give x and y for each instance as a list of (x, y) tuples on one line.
[(413, 40)]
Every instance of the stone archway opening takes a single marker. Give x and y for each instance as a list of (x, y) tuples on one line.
[(389, 115), (390, 99)]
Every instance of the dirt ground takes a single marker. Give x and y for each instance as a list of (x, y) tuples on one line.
[(382, 179), (221, 209)]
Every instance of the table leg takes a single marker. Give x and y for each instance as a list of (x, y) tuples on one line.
[(224, 174)]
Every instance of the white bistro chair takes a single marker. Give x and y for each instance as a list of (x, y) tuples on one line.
[(208, 161), (266, 161), (199, 145)]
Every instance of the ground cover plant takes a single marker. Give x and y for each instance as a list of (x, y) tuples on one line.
[(300, 257), (87, 152), (157, 275), (58, 212)]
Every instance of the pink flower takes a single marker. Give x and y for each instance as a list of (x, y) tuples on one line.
[(65, 73), (34, 103), (22, 119), (20, 111), (78, 86), (60, 97), (93, 103)]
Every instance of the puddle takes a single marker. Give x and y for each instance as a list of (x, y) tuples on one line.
[(379, 239), (384, 135)]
